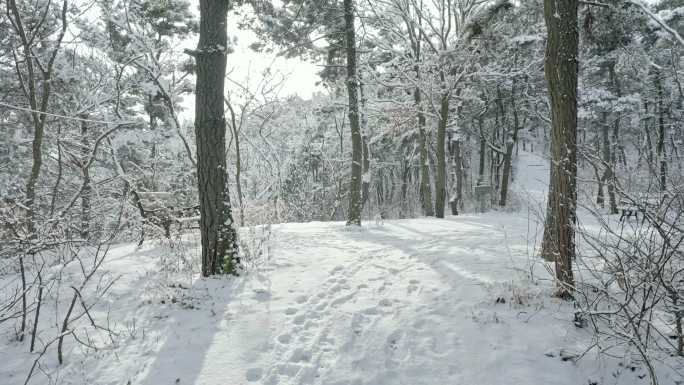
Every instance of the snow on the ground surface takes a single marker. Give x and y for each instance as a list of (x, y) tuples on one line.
[(420, 301), (531, 178), (409, 302)]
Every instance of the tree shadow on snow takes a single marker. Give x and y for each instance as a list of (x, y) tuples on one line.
[(191, 331), (458, 248)]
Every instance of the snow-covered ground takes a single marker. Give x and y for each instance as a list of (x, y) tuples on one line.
[(420, 301)]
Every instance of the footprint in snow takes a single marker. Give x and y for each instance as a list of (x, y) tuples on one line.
[(254, 374), (290, 311), (341, 300), (284, 338), (385, 302), (301, 299), (289, 370), (262, 295), (411, 289), (300, 355), (393, 339), (359, 322)]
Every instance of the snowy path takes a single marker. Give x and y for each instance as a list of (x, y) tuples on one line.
[(419, 301), (412, 302)]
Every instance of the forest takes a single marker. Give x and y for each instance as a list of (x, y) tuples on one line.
[(466, 192)]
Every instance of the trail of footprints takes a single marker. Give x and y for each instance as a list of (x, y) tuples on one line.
[(304, 344), (301, 352)]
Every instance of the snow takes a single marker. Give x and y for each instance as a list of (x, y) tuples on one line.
[(419, 301)]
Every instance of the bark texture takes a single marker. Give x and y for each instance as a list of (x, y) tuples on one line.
[(355, 202), (440, 177), (560, 68), (219, 237), (511, 141), (425, 190)]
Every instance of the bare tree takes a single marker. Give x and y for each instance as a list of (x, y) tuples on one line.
[(36, 82)]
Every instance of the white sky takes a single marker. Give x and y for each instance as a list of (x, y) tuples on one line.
[(243, 64)]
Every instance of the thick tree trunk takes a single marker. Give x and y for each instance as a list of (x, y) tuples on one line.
[(355, 202), (561, 74), (219, 236)]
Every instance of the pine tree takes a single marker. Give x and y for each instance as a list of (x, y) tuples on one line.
[(561, 69), (355, 202), (219, 236)]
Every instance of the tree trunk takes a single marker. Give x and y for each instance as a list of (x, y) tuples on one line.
[(660, 148), (87, 188), (457, 164), (483, 153), (406, 172), (612, 182), (510, 143), (649, 141), (355, 202), (38, 100), (560, 67), (219, 236), (440, 175), (238, 161), (365, 188), (608, 157), (425, 190), (600, 197), (365, 185)]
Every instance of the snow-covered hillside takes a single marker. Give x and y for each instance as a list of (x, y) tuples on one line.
[(460, 300), (419, 301)]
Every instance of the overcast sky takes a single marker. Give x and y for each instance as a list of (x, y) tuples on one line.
[(243, 63)]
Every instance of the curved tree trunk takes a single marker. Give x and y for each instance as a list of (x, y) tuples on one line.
[(219, 237)]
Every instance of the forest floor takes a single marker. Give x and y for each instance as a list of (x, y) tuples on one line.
[(459, 300)]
